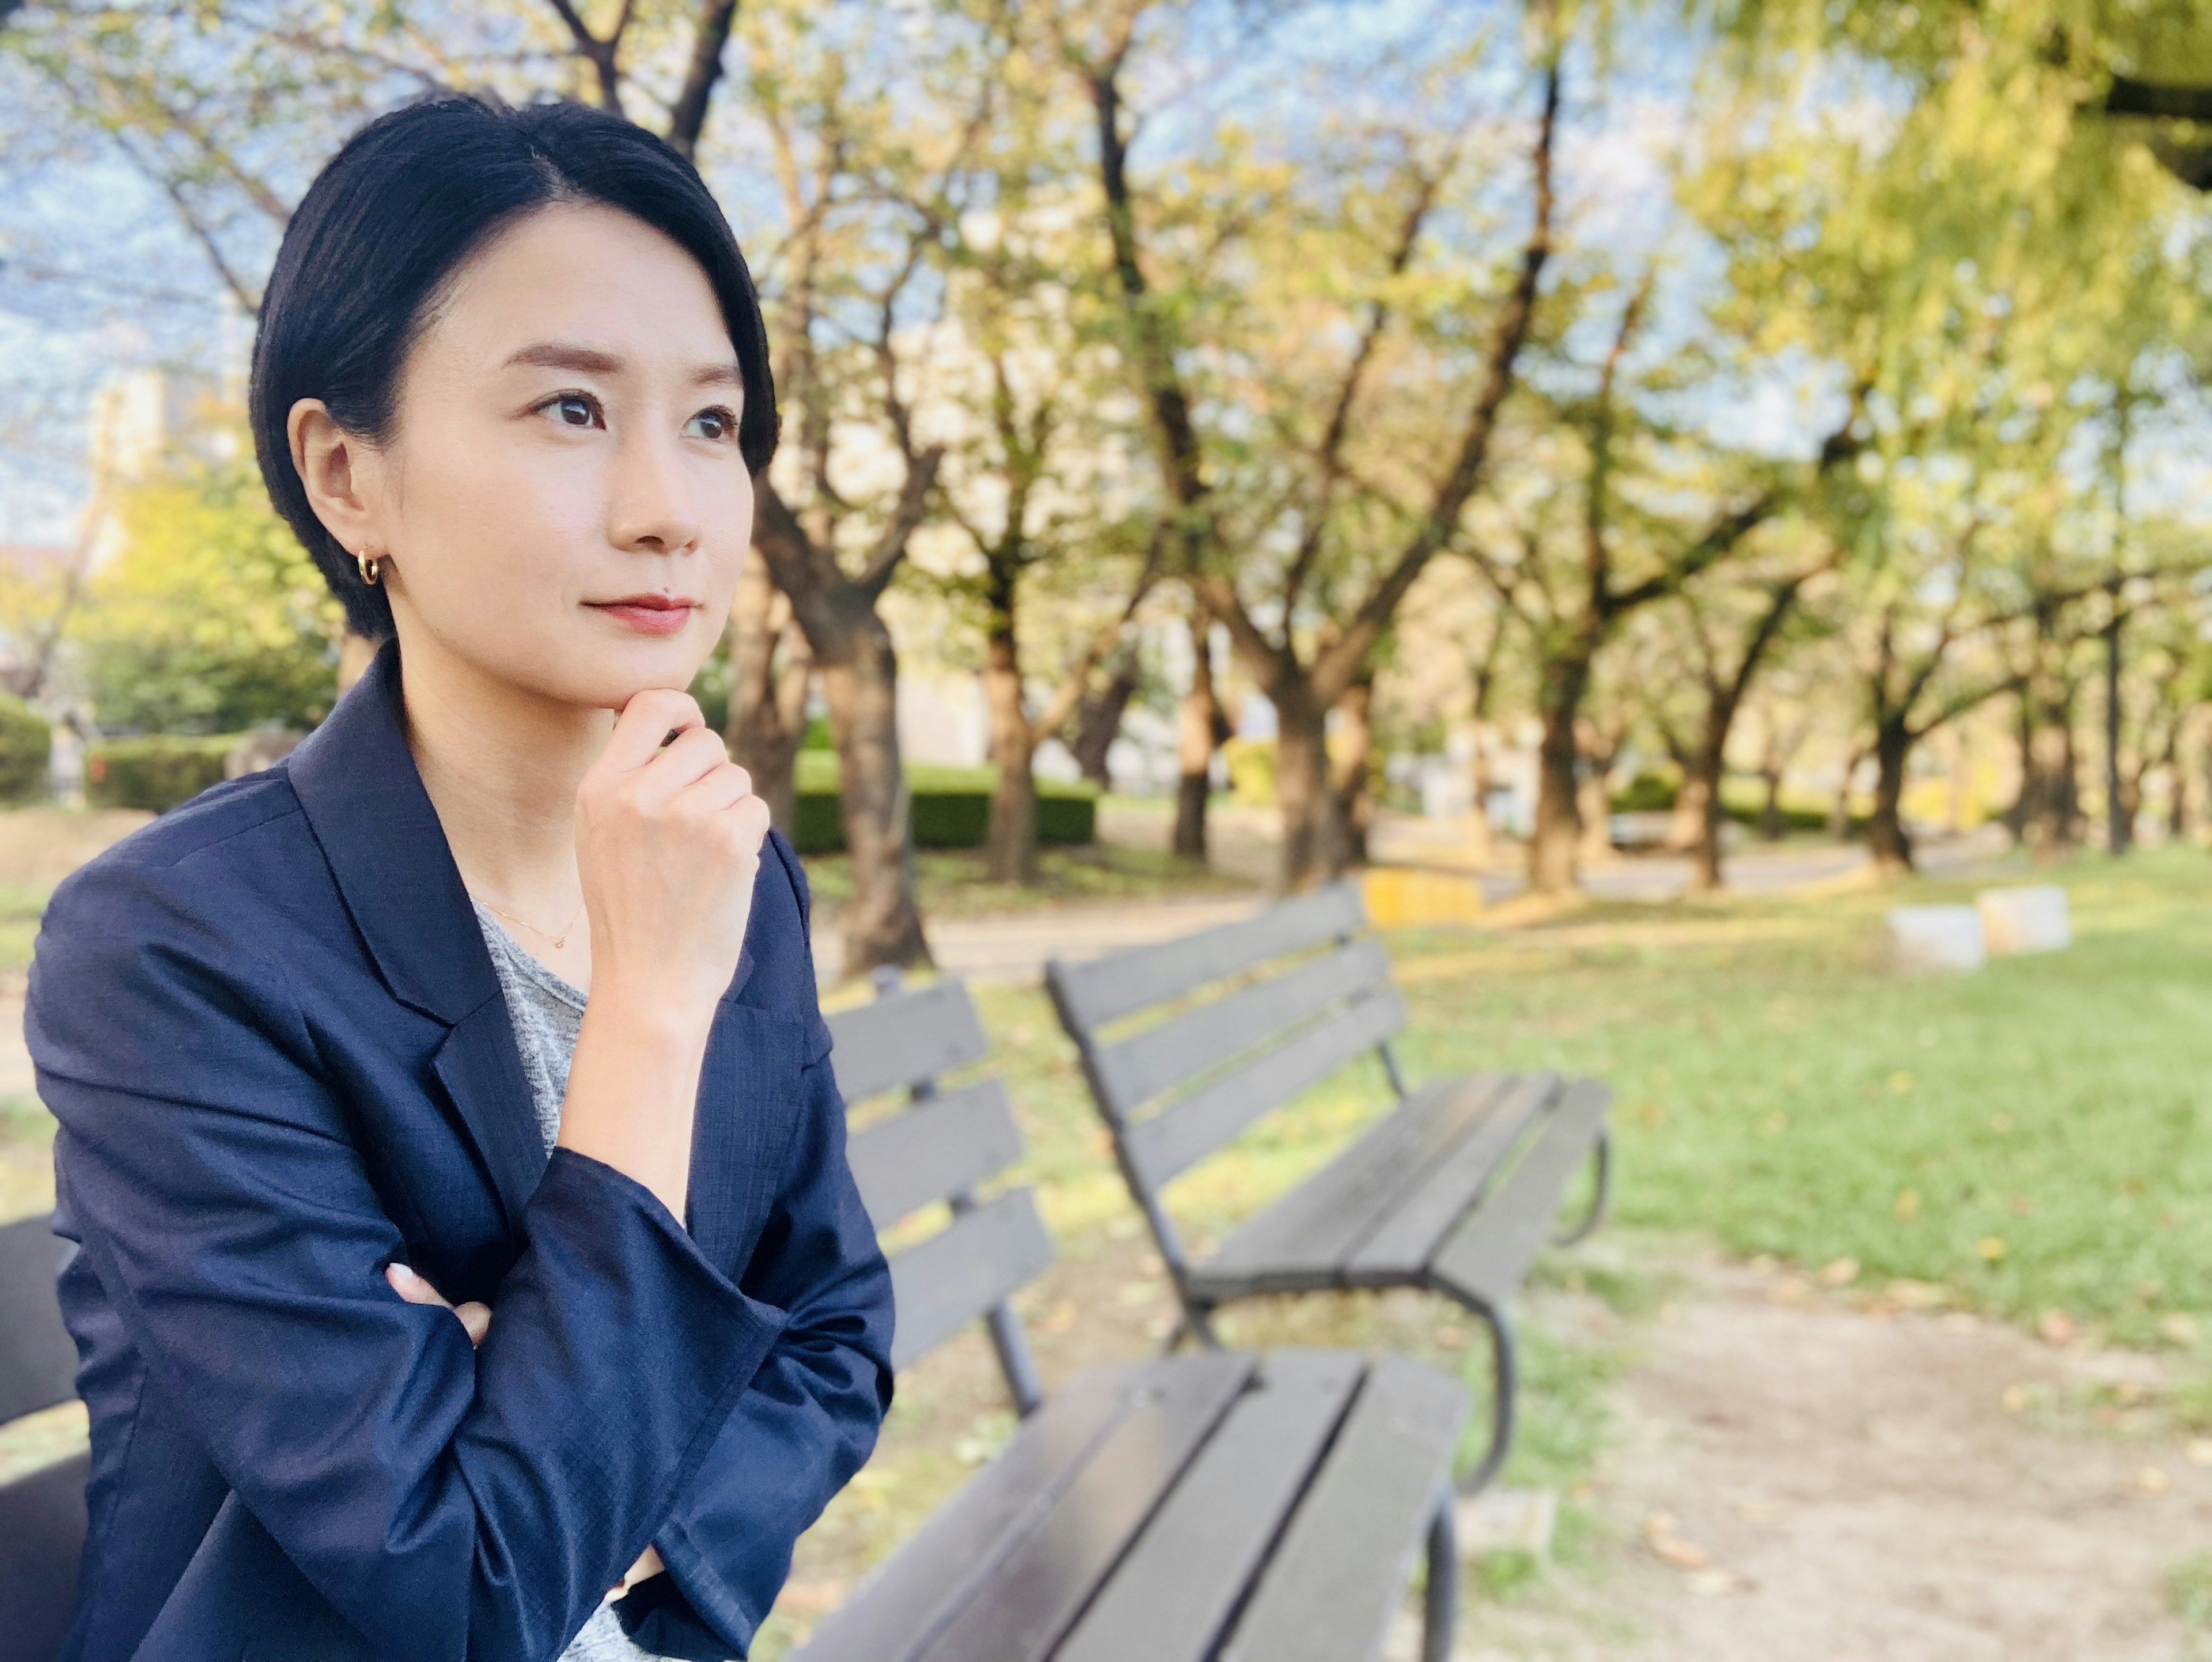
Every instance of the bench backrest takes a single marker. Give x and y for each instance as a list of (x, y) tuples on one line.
[(1176, 1089), (940, 1147), (38, 1360)]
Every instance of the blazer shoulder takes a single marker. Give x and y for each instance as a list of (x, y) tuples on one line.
[(216, 817), (216, 862)]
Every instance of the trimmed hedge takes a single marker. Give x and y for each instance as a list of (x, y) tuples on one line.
[(26, 744), (949, 807), (156, 772)]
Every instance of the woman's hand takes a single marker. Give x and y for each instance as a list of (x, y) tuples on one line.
[(667, 843), (475, 1318)]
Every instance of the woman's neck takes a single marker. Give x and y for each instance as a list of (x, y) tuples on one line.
[(501, 767)]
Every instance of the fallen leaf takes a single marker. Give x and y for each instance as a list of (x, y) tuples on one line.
[(1652, 1114), (2017, 1398), (1715, 1583), (1915, 1295), (1671, 1549), (2056, 1328), (1991, 1247), (2152, 1480), (2199, 1452), (1908, 1204), (1841, 1272), (1790, 1289), (2021, 1205), (2178, 1329), (1451, 1338), (1901, 1081)]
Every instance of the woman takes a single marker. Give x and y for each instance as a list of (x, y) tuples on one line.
[(494, 991)]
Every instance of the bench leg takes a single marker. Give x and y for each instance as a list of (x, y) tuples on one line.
[(1197, 1322), (1602, 1169), (1440, 1602), (1505, 1376)]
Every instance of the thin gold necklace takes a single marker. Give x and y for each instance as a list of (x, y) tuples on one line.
[(558, 941)]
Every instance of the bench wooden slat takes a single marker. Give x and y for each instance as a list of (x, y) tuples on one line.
[(1138, 1069), (1102, 990), (1489, 1254), (42, 1525), (907, 1595), (1044, 1581), (1332, 1586), (905, 1038), (37, 1359), (933, 1150), (1311, 1231), (977, 1261), (1186, 1132), (1418, 1220), (1170, 1598)]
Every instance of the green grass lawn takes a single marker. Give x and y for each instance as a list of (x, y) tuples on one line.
[(2035, 1136)]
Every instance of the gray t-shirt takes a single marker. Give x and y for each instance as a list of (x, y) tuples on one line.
[(547, 1013)]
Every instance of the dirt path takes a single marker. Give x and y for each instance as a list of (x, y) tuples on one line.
[(1849, 1483)]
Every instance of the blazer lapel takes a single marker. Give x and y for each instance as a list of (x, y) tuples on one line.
[(363, 797)]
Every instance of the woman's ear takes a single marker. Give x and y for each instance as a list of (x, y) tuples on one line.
[(342, 474)]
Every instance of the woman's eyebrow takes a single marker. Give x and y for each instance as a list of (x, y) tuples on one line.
[(587, 360)]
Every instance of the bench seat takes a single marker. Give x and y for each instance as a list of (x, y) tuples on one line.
[(1221, 1505), (1406, 1201)]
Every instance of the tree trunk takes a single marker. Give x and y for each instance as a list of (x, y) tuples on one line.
[(2177, 785), (1886, 835), (1705, 856), (1198, 732), (767, 722), (860, 679), (1593, 799), (1011, 845), (2051, 819), (1771, 827), (1839, 811), (1314, 848), (1348, 780), (1686, 823), (1552, 839), (1098, 721), (2120, 812)]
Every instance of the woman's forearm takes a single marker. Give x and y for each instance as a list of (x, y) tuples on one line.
[(633, 1089)]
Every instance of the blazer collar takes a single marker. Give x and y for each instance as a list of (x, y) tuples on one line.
[(356, 780)]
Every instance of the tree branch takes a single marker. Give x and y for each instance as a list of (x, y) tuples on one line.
[(1333, 670), (687, 118)]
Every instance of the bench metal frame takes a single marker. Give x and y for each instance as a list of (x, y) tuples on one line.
[(1212, 1071), (1218, 1506), (42, 1513)]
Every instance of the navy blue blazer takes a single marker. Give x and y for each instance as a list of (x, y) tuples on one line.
[(280, 1058)]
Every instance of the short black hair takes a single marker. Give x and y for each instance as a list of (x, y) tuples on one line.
[(374, 245)]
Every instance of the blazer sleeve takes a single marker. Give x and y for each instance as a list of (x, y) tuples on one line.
[(450, 1505), (809, 1420)]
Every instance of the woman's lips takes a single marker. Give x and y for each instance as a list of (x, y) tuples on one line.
[(648, 614)]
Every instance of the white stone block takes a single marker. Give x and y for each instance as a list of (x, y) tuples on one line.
[(1940, 938), (2032, 919)]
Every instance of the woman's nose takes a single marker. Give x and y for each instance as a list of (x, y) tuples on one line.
[(649, 502)]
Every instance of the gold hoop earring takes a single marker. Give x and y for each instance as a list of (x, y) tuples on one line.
[(367, 566)]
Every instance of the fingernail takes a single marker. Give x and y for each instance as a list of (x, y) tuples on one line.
[(401, 1272)]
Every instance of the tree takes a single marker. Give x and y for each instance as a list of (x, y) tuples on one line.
[(1299, 557), (211, 618), (1733, 632)]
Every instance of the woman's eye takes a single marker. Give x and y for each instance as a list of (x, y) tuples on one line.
[(717, 423), (572, 410)]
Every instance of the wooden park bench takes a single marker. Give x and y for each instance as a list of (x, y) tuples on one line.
[(1221, 1505), (1188, 1043), (42, 1515)]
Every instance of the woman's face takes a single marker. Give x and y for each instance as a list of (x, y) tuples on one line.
[(564, 506)]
